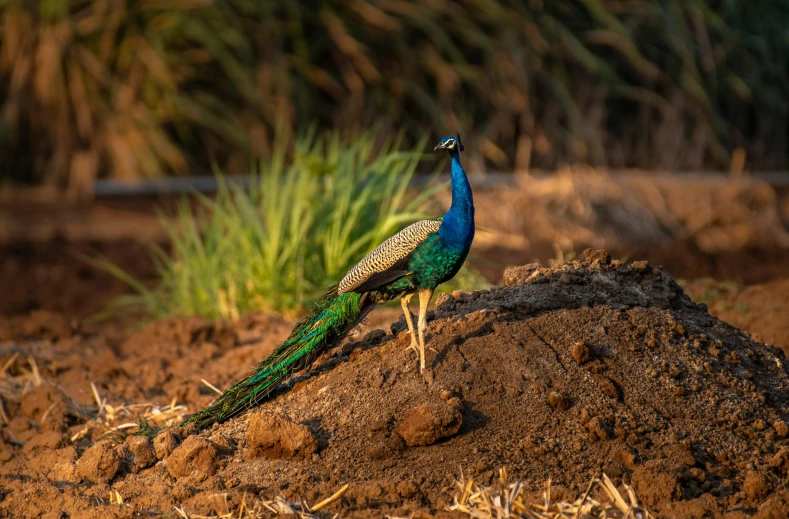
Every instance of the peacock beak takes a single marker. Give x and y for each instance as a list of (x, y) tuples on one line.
[(437, 147)]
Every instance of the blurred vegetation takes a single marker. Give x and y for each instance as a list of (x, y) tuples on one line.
[(143, 88), (279, 244)]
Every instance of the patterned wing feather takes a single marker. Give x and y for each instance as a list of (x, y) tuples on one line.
[(387, 255)]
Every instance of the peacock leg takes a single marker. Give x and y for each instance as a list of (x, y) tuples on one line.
[(404, 303), (425, 295)]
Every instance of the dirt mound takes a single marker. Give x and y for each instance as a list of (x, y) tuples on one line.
[(563, 373)]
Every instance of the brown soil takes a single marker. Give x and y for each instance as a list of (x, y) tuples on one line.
[(564, 373), (52, 277), (42, 242)]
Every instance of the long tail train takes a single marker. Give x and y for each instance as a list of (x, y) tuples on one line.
[(330, 320)]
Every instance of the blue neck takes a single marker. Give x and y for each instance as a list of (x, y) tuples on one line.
[(458, 225)]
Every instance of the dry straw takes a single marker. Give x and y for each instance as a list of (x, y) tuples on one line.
[(506, 499), (12, 385), (264, 508)]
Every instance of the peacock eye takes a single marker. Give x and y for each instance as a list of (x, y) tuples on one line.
[(450, 143)]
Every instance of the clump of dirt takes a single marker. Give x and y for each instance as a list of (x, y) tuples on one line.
[(565, 372), (428, 423), (100, 463), (196, 457), (275, 436)]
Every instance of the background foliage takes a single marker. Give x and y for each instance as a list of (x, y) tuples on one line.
[(278, 244), (137, 88)]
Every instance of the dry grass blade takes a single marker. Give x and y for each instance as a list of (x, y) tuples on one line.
[(8, 363), (115, 498), (211, 386), (154, 415), (16, 379), (263, 508), (505, 499), (108, 415), (329, 500)]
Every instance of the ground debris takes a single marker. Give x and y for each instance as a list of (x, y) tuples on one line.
[(260, 508), (505, 499), (689, 411)]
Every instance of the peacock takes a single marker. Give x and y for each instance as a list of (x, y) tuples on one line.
[(414, 261)]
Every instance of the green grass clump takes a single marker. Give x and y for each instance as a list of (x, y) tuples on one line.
[(278, 244)]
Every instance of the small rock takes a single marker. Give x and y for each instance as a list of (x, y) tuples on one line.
[(559, 401), (141, 453), (275, 436), (609, 388), (640, 266), (580, 352), (756, 486), (165, 443), (627, 458), (519, 275), (100, 463), (781, 428), (597, 257), (428, 423), (781, 460), (444, 298), (598, 428), (195, 455)]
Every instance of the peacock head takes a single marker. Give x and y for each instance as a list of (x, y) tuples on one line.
[(452, 145)]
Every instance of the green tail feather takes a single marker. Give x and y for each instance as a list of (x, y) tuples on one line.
[(326, 325)]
